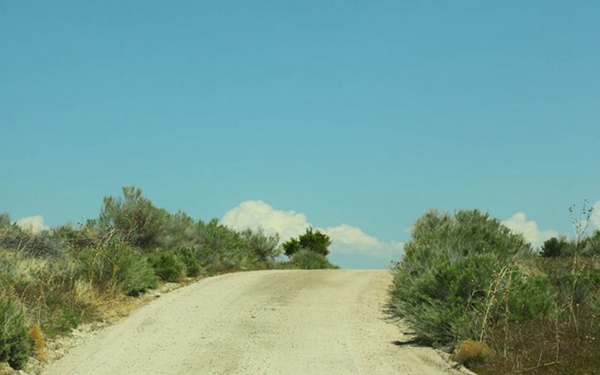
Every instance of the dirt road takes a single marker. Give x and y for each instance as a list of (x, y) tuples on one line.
[(264, 322)]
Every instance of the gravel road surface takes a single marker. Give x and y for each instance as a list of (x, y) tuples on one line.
[(263, 322)]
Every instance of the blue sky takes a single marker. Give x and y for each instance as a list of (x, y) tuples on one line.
[(353, 116)]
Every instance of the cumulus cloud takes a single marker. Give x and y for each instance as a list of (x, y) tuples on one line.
[(518, 223), (33, 223), (254, 214), (349, 240), (346, 239)]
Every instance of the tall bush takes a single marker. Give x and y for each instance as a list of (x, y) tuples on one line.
[(133, 218), (223, 249), (460, 273)]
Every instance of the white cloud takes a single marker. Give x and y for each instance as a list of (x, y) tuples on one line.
[(346, 240), (254, 214), (595, 218), (519, 224), (33, 223)]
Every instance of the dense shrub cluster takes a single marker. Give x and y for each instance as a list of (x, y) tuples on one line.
[(562, 247), (564, 343), (137, 222), (466, 278), (460, 273), (45, 243)]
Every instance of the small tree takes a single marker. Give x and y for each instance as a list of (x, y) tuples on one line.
[(316, 241), (554, 248)]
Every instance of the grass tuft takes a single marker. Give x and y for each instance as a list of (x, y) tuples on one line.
[(39, 344), (470, 352)]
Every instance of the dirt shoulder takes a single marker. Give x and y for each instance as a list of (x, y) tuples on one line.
[(263, 322)]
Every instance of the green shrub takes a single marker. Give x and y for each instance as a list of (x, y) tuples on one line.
[(76, 240), (189, 257), (529, 298), (44, 243), (592, 244), (133, 218), (8, 272), (222, 249), (556, 247), (117, 267), (167, 266), (178, 230), (576, 287), (15, 344), (460, 273), (315, 241), (265, 246), (310, 260), (442, 305), (65, 321)]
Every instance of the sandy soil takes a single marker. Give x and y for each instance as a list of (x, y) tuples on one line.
[(264, 322)]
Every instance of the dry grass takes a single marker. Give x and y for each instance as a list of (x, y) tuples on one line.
[(543, 346), (568, 342), (5, 369), (49, 290), (470, 352), (111, 308), (39, 344)]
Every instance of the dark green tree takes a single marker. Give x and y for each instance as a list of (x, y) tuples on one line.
[(316, 241), (554, 248)]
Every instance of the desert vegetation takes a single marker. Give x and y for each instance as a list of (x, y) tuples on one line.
[(54, 280), (468, 285), (309, 250)]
